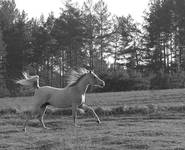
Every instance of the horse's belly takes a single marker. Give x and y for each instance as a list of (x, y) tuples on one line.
[(63, 105), (61, 102)]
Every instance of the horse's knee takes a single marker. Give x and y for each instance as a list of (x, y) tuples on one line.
[(36, 113), (89, 109), (81, 111)]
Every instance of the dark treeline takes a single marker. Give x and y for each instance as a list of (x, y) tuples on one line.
[(147, 57)]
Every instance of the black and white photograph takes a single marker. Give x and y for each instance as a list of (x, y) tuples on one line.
[(92, 74)]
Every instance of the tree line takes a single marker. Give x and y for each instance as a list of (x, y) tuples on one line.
[(146, 56)]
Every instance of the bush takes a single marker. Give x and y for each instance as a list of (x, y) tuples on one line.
[(177, 80), (168, 81), (122, 81), (160, 81)]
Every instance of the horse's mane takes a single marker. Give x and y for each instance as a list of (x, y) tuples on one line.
[(75, 76)]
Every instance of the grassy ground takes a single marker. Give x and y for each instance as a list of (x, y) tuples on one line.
[(135, 120)]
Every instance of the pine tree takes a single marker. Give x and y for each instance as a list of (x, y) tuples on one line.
[(13, 25), (115, 43), (103, 30), (3, 88), (90, 23), (69, 32)]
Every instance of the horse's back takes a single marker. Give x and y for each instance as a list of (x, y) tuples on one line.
[(44, 94), (49, 89)]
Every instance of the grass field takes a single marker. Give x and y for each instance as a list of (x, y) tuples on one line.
[(137, 120)]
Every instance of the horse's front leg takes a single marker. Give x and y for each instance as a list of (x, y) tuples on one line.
[(74, 113), (88, 108)]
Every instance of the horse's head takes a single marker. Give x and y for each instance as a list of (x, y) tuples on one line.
[(94, 80)]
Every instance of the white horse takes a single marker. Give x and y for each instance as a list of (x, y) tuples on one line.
[(72, 96)]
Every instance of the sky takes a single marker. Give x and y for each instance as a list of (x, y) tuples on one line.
[(34, 8)]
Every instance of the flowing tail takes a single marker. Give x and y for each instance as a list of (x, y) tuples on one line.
[(29, 80)]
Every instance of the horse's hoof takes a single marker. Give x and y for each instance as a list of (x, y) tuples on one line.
[(98, 121), (77, 126), (46, 128), (24, 130)]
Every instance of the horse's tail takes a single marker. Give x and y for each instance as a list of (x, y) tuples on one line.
[(28, 80)]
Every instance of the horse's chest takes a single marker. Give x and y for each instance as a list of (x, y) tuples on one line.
[(83, 99)]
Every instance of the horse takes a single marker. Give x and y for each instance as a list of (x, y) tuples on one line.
[(71, 96)]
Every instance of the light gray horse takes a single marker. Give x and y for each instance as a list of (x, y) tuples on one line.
[(72, 96)]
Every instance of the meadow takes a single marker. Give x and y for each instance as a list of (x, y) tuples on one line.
[(135, 120)]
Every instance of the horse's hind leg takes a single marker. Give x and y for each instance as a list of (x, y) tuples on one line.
[(74, 114), (40, 116), (25, 124), (26, 121)]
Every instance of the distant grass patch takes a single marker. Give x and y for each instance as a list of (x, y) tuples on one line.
[(179, 148), (142, 110), (150, 109), (176, 108), (126, 110), (110, 111)]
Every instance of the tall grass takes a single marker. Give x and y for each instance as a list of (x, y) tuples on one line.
[(125, 110)]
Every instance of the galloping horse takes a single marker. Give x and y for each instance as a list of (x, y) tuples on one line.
[(72, 96)]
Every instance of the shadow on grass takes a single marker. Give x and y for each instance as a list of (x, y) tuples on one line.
[(4, 146), (45, 145), (148, 133), (8, 131), (55, 125), (137, 146)]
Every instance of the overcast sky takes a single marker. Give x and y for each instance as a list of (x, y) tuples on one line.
[(35, 8)]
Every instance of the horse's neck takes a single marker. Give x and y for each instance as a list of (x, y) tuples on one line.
[(82, 86)]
